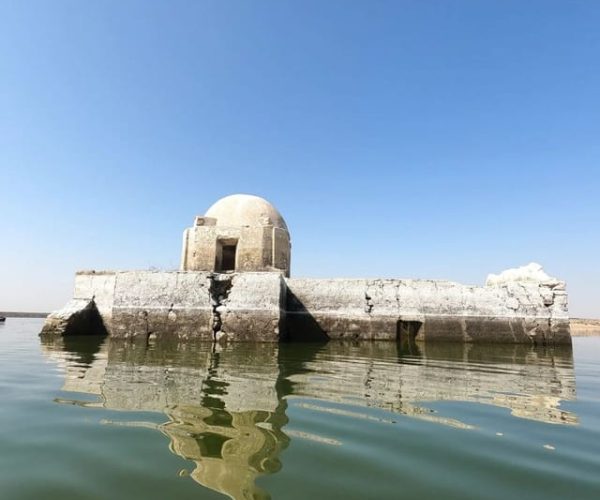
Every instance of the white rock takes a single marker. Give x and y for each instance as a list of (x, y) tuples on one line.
[(531, 273)]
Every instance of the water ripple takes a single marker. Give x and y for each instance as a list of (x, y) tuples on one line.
[(92, 418)]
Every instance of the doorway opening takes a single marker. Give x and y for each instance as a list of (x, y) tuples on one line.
[(407, 330), (226, 254)]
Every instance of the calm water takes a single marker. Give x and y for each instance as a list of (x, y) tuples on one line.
[(88, 418)]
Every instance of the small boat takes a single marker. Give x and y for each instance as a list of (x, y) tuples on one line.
[(2, 319)]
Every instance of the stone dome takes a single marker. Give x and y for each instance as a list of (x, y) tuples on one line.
[(239, 210)]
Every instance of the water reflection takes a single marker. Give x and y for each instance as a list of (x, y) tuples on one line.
[(226, 406)]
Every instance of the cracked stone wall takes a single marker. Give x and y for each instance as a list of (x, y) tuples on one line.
[(258, 306), (255, 308), (372, 309), (184, 305)]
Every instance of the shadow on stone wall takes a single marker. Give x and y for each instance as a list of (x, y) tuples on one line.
[(301, 325), (78, 317)]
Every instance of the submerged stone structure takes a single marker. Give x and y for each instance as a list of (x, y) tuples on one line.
[(235, 285)]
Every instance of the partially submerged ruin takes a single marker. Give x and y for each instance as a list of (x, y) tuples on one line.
[(235, 285)]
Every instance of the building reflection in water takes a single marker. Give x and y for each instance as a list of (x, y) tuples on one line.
[(226, 406)]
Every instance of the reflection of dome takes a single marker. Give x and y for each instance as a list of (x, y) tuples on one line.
[(245, 210)]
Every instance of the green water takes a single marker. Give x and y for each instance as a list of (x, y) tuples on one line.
[(93, 419)]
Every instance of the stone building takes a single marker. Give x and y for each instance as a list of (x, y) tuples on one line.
[(234, 284), (239, 233)]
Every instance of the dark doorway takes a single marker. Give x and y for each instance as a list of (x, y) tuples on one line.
[(406, 331), (226, 251), (228, 263)]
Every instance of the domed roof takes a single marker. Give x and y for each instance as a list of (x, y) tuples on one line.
[(245, 210)]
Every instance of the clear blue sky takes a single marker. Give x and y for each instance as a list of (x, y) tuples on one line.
[(430, 139)]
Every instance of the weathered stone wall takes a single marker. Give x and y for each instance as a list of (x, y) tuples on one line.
[(281, 250), (185, 305), (258, 306), (90, 310), (77, 317), (263, 248), (380, 309), (97, 285), (162, 304), (200, 246), (254, 308)]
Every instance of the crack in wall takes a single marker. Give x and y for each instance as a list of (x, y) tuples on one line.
[(187, 305), (146, 321), (398, 308), (220, 286), (368, 303)]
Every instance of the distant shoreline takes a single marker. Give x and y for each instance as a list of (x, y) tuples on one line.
[(585, 327), (12, 314), (580, 327)]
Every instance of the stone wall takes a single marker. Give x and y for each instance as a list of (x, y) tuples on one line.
[(259, 306), (184, 305), (427, 310), (99, 285), (264, 248), (254, 308), (162, 304)]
